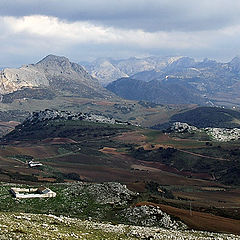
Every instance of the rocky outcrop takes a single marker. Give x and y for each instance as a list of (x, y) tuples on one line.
[(216, 134), (182, 127), (106, 193), (150, 216), (49, 114), (223, 134)]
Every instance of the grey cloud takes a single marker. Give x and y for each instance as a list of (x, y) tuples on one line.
[(170, 16), (149, 15)]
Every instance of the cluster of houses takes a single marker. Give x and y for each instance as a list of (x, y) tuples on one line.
[(217, 134)]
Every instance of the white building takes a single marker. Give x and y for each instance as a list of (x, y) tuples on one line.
[(41, 192)]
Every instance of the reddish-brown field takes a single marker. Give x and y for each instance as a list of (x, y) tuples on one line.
[(227, 198), (10, 124), (201, 221), (115, 164), (136, 137), (36, 151), (6, 127), (108, 150), (167, 168)]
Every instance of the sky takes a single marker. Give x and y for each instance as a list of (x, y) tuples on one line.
[(83, 30)]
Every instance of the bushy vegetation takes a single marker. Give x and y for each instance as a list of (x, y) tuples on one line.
[(185, 161), (19, 177), (34, 93), (16, 115), (72, 200)]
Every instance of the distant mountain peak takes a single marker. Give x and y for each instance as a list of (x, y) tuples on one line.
[(55, 72), (207, 60), (235, 64), (235, 60), (50, 59)]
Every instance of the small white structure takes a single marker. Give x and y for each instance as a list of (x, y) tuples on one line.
[(41, 192), (34, 164)]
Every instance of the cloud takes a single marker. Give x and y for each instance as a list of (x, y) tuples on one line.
[(148, 15), (82, 29), (44, 27)]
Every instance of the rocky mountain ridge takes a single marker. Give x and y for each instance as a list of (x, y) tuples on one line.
[(55, 73)]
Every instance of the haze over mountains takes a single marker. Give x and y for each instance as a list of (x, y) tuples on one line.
[(107, 70), (162, 80), (171, 79)]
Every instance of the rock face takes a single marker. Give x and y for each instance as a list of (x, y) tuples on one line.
[(27, 76), (53, 72), (49, 114)]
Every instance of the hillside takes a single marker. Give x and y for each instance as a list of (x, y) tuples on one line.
[(49, 226), (161, 92), (203, 117), (79, 152), (41, 125)]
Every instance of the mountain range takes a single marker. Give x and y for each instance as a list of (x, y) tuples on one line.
[(182, 80), (56, 83), (107, 70), (162, 80)]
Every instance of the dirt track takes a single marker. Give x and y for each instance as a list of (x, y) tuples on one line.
[(203, 156)]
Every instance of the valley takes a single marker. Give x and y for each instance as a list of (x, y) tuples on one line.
[(170, 167), (119, 120), (164, 169)]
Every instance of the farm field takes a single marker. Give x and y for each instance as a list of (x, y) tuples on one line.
[(165, 169)]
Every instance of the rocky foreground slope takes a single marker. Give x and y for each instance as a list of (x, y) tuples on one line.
[(38, 226)]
